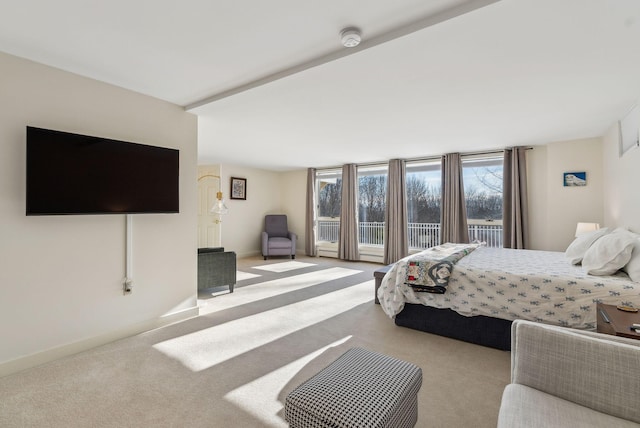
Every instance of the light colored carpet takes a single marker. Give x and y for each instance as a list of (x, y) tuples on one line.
[(241, 276), (234, 365), (284, 266)]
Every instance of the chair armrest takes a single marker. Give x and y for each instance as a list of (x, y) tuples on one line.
[(265, 243), (587, 369), (293, 238)]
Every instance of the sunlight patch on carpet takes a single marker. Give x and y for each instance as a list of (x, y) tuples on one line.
[(240, 276), (205, 348), (283, 267), (264, 290), (260, 397)]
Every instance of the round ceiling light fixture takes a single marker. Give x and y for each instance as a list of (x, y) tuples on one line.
[(350, 37)]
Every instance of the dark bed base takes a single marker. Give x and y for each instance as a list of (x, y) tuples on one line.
[(481, 330)]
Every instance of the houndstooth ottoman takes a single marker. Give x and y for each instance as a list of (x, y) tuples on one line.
[(359, 389)]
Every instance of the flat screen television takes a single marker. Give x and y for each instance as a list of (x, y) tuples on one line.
[(80, 174)]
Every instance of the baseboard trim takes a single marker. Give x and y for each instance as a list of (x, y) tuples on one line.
[(58, 352)]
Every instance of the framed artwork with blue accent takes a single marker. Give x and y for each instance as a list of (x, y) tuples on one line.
[(573, 179)]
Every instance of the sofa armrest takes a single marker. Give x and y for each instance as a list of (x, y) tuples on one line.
[(587, 369)]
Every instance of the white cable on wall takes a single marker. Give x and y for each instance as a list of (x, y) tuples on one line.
[(128, 279)]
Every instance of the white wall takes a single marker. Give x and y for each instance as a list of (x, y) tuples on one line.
[(537, 177), (556, 209), (61, 276), (622, 179), (294, 203), (242, 226)]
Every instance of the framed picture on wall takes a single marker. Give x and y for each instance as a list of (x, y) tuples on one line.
[(572, 179), (238, 188)]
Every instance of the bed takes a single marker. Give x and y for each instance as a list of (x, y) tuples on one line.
[(491, 287)]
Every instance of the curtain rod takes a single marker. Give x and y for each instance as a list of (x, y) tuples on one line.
[(428, 158)]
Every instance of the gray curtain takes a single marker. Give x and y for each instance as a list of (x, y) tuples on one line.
[(453, 221), (515, 217), (396, 239), (310, 248), (348, 242)]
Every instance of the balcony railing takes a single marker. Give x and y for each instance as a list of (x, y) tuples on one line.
[(328, 230), (421, 235)]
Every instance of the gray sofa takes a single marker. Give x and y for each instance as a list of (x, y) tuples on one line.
[(216, 267), (570, 378)]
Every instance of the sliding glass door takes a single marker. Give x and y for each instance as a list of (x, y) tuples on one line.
[(482, 178), (372, 194), (329, 192), (424, 193)]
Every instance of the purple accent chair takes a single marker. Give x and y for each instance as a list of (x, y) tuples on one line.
[(277, 240)]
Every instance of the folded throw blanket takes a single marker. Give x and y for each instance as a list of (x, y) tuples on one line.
[(429, 270)]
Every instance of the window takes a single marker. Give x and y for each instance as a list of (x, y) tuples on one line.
[(424, 192), (329, 192), (372, 196), (482, 178), (372, 190)]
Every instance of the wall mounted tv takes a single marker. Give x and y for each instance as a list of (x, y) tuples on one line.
[(79, 174)]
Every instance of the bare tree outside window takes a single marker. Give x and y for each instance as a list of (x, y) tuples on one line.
[(330, 198), (483, 189), (371, 198), (423, 200)]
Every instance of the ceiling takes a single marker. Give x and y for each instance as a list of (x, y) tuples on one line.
[(274, 88)]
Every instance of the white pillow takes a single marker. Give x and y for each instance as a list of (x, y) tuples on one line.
[(608, 254), (633, 267), (575, 251)]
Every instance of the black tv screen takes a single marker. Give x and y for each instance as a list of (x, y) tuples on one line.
[(79, 174)]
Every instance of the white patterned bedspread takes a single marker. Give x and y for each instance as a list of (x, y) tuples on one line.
[(516, 284)]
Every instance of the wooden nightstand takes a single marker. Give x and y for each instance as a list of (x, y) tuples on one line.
[(612, 320)]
